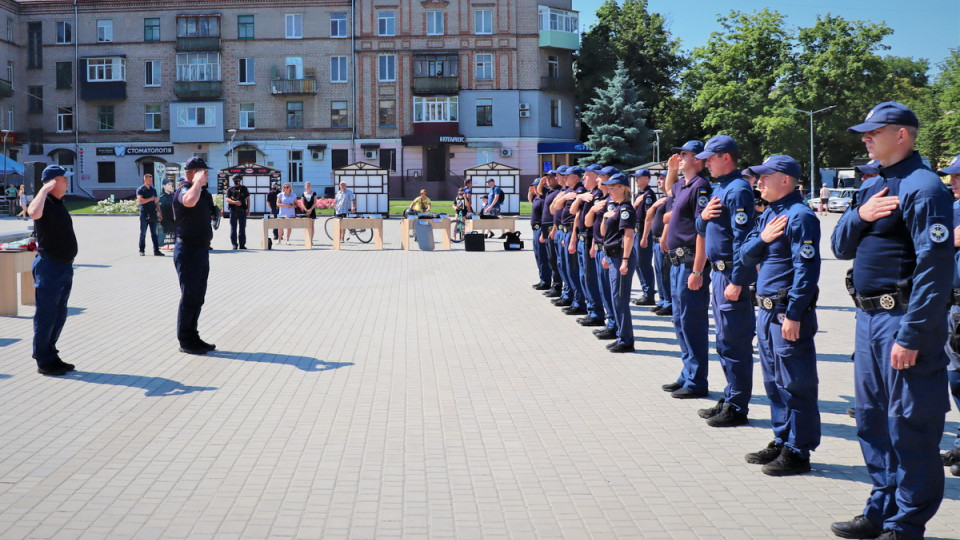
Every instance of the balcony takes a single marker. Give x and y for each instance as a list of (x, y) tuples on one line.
[(289, 87), (6, 88), (198, 89), (436, 85), (198, 44), (560, 40), (103, 90), (556, 84)]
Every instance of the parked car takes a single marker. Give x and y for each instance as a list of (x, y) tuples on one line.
[(840, 199)]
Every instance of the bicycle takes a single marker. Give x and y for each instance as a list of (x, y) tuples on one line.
[(363, 235), (459, 229)]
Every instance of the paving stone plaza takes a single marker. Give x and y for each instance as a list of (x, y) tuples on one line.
[(390, 394)]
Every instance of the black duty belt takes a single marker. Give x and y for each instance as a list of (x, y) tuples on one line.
[(955, 297), (681, 256), (536, 226), (656, 239), (896, 299), (613, 250), (770, 303), (565, 228), (585, 236), (721, 265)]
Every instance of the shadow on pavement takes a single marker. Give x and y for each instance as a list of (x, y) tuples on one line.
[(833, 357), (154, 386), (671, 353), (853, 473), (92, 266), (304, 363), (4, 376), (6, 342), (839, 431)]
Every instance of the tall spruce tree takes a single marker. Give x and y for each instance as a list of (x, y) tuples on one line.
[(617, 120)]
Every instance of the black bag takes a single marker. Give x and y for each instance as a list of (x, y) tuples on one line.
[(474, 242), (513, 242)]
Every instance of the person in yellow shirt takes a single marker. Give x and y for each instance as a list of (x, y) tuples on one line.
[(421, 204)]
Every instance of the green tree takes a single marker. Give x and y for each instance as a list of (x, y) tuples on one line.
[(946, 92), (617, 120)]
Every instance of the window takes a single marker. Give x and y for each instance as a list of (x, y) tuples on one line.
[(339, 158), (293, 67), (35, 136), (387, 71), (386, 24), (244, 26), (246, 156), (388, 159), (555, 112), (197, 116), (104, 31), (64, 119), (151, 119), (338, 69), (64, 75), (203, 66), (295, 166), (246, 70), (294, 26), (553, 67), (387, 113), (10, 117), (198, 26), (558, 20), (294, 115), (434, 23), (106, 69), (151, 73), (338, 114), (151, 29), (483, 21), (106, 172), (64, 32), (34, 46), (435, 109), (34, 99), (9, 28), (338, 25), (484, 111), (484, 69), (247, 116), (10, 71), (435, 66), (105, 118)]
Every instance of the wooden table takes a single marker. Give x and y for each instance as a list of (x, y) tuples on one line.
[(501, 223), (375, 223), (435, 223), (12, 263), (306, 224)]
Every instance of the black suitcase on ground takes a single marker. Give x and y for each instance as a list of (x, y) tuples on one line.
[(513, 242), (474, 241)]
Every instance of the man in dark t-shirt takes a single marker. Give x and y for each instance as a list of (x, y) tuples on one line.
[(52, 269), (149, 214)]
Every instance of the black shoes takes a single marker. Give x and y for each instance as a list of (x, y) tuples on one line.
[(606, 333), (541, 287), (157, 253), (950, 457), (767, 455), (56, 368), (707, 413), (729, 416), (788, 463), (590, 321), (234, 248), (243, 247), (552, 293), (896, 535), (197, 347), (851, 412), (142, 254), (574, 310), (858, 527), (205, 345), (620, 348), (663, 311), (643, 301), (671, 387), (686, 393), (562, 302), (955, 469)]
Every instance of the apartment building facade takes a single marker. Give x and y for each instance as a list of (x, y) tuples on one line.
[(422, 88)]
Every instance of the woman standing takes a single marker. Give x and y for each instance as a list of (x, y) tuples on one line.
[(618, 229), (285, 202), (22, 198), (308, 204)]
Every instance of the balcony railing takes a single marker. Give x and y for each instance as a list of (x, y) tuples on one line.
[(6, 88), (208, 43), (307, 85), (198, 89), (435, 85), (556, 84)]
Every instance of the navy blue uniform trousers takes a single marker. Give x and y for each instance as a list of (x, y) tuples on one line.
[(734, 323), (146, 223), (193, 266), (790, 379), (588, 281), (543, 259), (661, 269), (53, 281), (566, 292), (604, 285), (691, 325), (900, 416), (645, 267), (238, 227), (620, 286)]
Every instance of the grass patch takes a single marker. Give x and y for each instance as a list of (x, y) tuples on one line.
[(397, 206)]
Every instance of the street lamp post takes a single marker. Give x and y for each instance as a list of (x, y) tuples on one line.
[(5, 160), (811, 113), (657, 132), (233, 133)]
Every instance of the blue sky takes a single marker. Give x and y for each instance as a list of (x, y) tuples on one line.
[(921, 28)]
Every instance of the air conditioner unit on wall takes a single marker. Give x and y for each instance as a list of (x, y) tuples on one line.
[(370, 154), (506, 152), (524, 114), (524, 106)]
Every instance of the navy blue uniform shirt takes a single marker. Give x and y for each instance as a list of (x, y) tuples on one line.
[(625, 218), (536, 210), (566, 218), (914, 243), (547, 217), (689, 199), (792, 261), (725, 233), (656, 228), (647, 197), (558, 214), (956, 223), (598, 217), (582, 214), (193, 224), (147, 193)]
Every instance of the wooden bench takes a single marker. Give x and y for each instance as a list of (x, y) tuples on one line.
[(501, 223), (375, 223), (306, 224), (407, 224), (11, 264)]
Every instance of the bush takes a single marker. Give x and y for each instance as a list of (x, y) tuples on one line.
[(116, 207), (325, 204)]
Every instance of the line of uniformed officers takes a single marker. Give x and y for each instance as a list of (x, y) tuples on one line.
[(762, 256)]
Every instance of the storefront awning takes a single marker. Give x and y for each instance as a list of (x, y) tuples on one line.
[(432, 140), (563, 148)]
